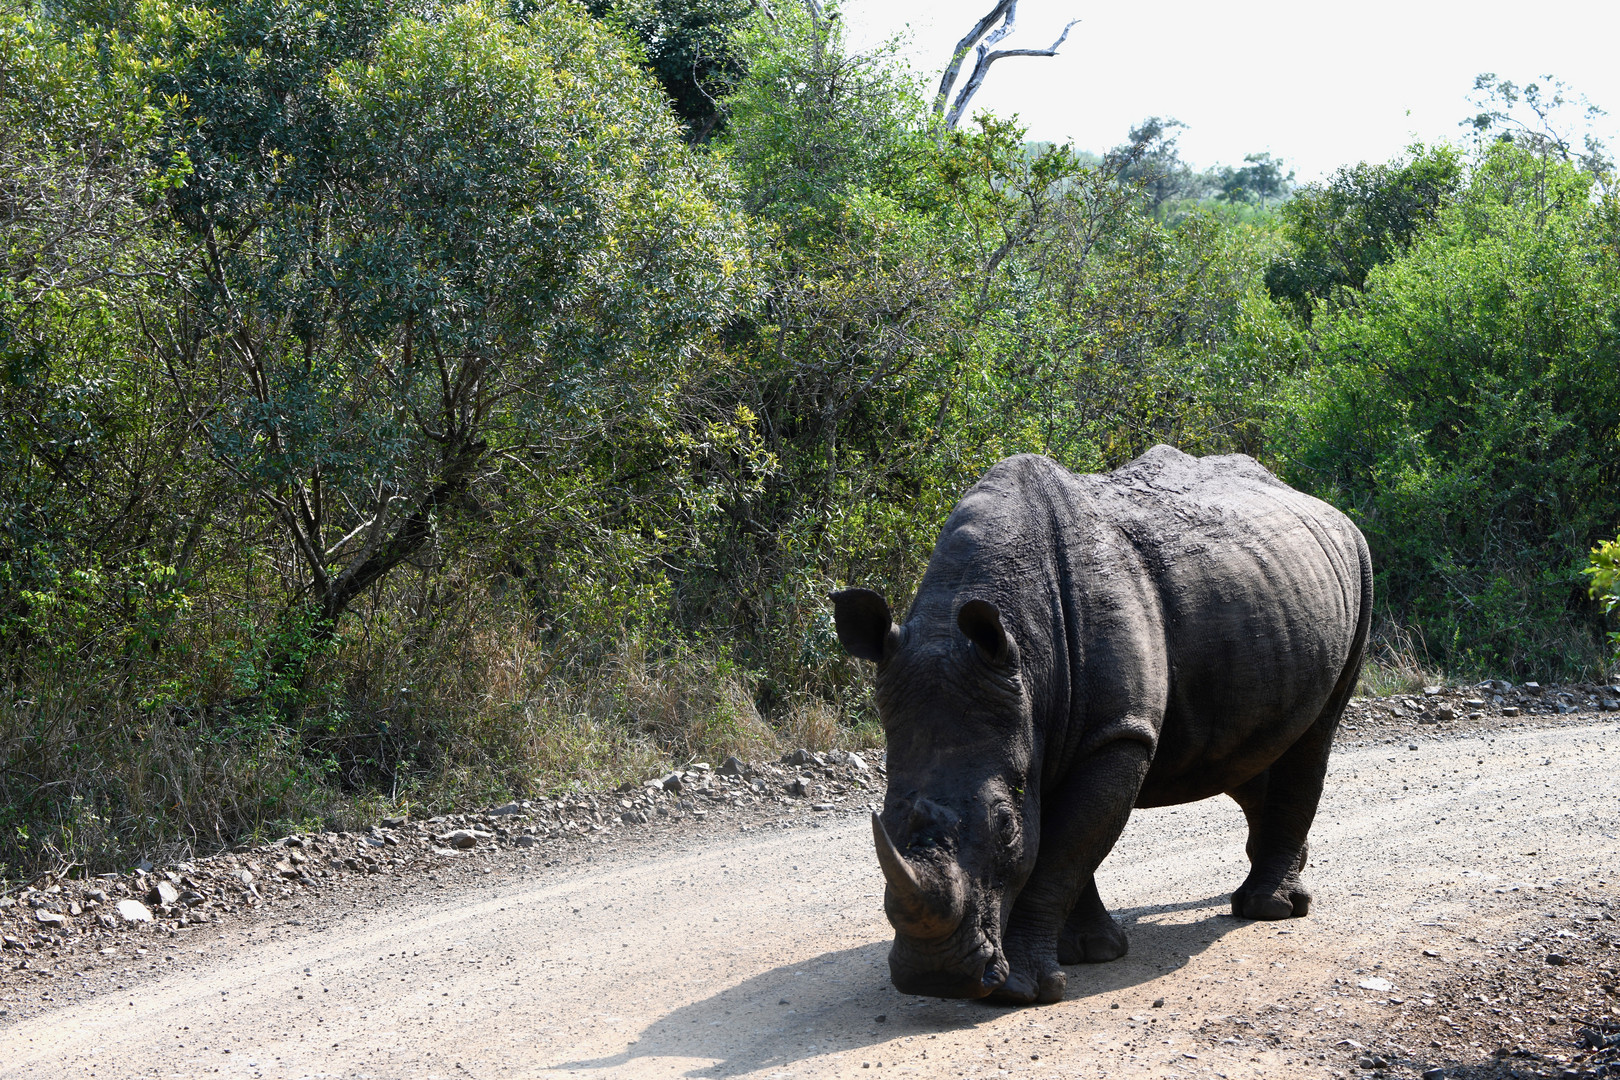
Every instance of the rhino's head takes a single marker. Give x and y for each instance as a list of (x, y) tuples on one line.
[(958, 832)]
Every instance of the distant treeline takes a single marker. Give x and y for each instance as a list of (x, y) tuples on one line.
[(434, 401)]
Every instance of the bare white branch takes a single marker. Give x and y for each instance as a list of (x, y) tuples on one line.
[(977, 39)]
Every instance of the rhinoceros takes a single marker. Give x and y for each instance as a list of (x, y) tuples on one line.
[(1173, 630)]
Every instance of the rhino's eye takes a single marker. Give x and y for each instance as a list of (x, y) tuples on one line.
[(1005, 821)]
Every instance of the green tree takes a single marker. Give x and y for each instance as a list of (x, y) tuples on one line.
[(1260, 179), (688, 46), (474, 239), (1364, 215), (94, 477), (1465, 411)]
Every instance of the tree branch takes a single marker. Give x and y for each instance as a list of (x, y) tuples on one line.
[(986, 58), (963, 47)]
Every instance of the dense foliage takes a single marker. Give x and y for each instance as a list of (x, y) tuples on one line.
[(1464, 405), (456, 400)]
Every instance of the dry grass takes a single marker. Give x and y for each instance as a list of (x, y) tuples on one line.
[(1397, 662), (426, 702)]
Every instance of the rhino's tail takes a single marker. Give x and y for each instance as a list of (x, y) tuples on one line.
[(1351, 674)]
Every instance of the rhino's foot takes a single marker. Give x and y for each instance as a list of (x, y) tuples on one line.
[(1097, 942), (1289, 901), (1024, 988)]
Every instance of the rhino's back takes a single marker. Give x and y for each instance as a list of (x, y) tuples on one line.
[(1262, 594)]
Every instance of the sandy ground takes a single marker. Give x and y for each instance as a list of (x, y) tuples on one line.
[(1447, 868)]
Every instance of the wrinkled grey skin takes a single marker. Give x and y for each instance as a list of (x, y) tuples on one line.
[(1080, 645)]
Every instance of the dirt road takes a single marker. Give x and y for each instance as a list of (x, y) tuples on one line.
[(762, 953)]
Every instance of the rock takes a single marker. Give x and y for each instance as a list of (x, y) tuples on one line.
[(1431, 691), (732, 766), (802, 757), (163, 893), (1376, 983), (1532, 688), (393, 822), (1610, 705), (799, 787), (527, 841), (855, 761), (672, 782), (822, 806), (50, 918), (511, 808), (633, 817), (133, 911), (465, 839), (286, 869), (1557, 959), (1434, 1074), (1445, 714), (143, 867), (98, 895), (1510, 710)]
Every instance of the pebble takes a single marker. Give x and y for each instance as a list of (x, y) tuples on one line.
[(507, 810), (1376, 983), (50, 918), (732, 766), (134, 911), (163, 893)]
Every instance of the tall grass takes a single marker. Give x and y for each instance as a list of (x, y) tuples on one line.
[(416, 706)]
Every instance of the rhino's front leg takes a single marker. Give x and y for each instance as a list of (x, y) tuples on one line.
[(1090, 935), (1079, 824)]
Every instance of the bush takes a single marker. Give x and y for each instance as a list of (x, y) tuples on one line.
[(1464, 408)]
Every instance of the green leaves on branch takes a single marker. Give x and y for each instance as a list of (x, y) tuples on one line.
[(471, 248), (1465, 406)]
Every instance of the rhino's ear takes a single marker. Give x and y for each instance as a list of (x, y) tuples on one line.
[(865, 627), (980, 620)]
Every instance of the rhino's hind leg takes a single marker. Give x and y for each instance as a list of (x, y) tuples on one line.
[(1280, 805), (1090, 935)]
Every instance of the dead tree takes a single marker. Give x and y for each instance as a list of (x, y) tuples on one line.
[(1006, 11)]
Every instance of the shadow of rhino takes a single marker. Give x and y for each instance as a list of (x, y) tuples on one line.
[(841, 1002)]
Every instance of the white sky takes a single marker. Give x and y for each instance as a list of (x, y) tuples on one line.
[(1320, 85)]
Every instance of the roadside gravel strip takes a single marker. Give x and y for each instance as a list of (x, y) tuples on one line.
[(1465, 871)]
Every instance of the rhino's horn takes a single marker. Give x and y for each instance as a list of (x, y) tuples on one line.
[(913, 907)]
